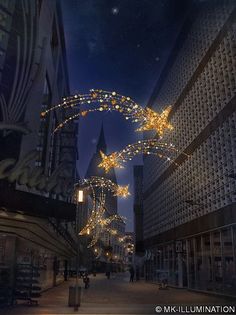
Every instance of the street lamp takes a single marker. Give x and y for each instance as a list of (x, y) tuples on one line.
[(80, 196), (79, 203)]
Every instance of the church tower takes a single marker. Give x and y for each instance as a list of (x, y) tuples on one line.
[(94, 170)]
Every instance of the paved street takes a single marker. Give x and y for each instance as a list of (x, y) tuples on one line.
[(114, 296)]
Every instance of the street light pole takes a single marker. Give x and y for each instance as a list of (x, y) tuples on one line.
[(79, 202)]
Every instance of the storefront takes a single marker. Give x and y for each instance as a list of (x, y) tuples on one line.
[(34, 254), (203, 262)]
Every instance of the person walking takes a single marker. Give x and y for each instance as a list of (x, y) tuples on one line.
[(108, 274), (86, 281), (131, 271)]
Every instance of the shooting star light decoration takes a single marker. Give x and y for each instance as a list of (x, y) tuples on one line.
[(98, 222), (112, 101), (151, 146), (105, 183)]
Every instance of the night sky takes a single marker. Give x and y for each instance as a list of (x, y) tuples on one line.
[(118, 46)]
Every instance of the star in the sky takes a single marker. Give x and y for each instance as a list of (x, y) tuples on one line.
[(115, 10)]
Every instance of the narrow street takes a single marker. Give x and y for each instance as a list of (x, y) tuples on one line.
[(114, 296), (117, 156)]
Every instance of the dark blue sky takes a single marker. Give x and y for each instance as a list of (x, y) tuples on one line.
[(119, 45)]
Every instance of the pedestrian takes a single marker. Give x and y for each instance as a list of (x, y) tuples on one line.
[(131, 271), (108, 274), (86, 281)]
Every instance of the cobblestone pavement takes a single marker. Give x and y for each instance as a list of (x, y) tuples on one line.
[(114, 296)]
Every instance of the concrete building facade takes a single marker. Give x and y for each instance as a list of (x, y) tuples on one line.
[(138, 208), (38, 167), (189, 204)]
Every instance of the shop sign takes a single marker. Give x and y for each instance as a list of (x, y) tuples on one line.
[(20, 172)]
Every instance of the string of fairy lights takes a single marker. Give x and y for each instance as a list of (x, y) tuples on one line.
[(147, 119), (105, 183), (98, 222), (150, 146), (102, 101), (125, 242)]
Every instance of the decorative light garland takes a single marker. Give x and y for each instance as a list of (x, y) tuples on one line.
[(105, 183), (151, 146), (98, 223), (112, 101), (128, 246), (97, 252)]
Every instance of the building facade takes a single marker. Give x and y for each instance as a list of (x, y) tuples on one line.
[(189, 204), (38, 167), (138, 208)]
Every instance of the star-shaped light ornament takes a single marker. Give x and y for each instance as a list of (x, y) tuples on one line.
[(156, 121), (122, 191), (151, 146), (109, 161), (104, 184)]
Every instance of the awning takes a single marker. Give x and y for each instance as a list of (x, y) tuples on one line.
[(16, 200)]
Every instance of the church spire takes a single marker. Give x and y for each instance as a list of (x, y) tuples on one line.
[(101, 144), (94, 170)]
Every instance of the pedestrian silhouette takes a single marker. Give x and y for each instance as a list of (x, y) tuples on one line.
[(86, 281), (108, 274), (131, 270)]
